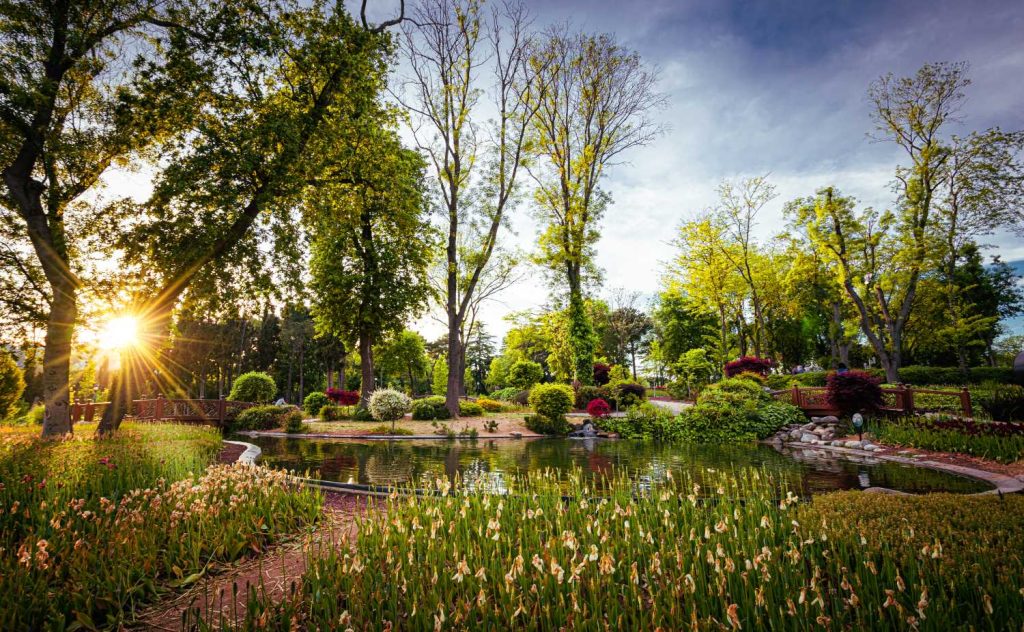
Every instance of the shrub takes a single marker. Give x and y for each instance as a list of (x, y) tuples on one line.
[(781, 414), (1005, 402), (362, 413), (505, 394), (748, 363), (12, 384), (314, 402), (334, 413), (255, 386), (598, 408), (34, 415), (522, 398), (602, 373), (525, 374), (645, 421), (490, 405), (1003, 442), (694, 371), (293, 422), (587, 394), (546, 426), (388, 404), (429, 409), (756, 378), (743, 388), (631, 394), (470, 409), (387, 430), (552, 402), (260, 418), (343, 397), (853, 392)]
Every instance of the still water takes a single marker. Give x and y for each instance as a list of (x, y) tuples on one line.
[(487, 463)]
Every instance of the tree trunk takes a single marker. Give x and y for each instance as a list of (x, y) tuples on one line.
[(57, 362), (454, 386), (580, 331), (366, 365)]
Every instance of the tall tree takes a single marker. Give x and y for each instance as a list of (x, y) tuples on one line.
[(595, 99), (459, 56)]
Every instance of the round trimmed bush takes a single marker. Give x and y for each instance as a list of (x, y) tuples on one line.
[(261, 418), (631, 394), (490, 405), (429, 409), (255, 386), (525, 374), (598, 408), (293, 422), (552, 401), (314, 402), (387, 404), (470, 409)]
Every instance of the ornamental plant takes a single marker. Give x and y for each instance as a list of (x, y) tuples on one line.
[(314, 402), (598, 408), (387, 404), (525, 374), (854, 392), (254, 386), (551, 402), (748, 363), (602, 373), (343, 397)]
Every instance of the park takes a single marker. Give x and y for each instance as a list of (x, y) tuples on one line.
[(445, 314)]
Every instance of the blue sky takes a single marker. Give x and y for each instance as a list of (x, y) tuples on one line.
[(777, 88)]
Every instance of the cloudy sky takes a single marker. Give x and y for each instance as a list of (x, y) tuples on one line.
[(774, 88)]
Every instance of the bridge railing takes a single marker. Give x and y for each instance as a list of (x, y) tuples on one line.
[(202, 411), (897, 400)]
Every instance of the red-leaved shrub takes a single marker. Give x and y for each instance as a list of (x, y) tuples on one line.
[(854, 392), (343, 398), (602, 373), (751, 364), (598, 408)]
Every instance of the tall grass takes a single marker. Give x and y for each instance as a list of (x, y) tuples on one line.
[(730, 555), (1003, 442), (91, 528)]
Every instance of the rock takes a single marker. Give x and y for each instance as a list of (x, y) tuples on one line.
[(870, 447), (855, 444), (829, 419), (808, 438), (516, 435), (587, 430)]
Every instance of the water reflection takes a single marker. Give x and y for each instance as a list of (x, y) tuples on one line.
[(487, 463)]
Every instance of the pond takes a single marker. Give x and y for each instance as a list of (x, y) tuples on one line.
[(486, 463)]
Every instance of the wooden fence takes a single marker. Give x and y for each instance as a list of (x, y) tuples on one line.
[(197, 411), (899, 400)]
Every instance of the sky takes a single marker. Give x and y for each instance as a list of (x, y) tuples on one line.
[(776, 88)]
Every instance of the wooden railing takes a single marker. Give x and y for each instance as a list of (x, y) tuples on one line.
[(898, 400), (201, 411)]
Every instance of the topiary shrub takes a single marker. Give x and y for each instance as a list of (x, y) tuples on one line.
[(429, 409), (293, 422), (260, 418), (748, 363), (490, 405), (12, 384), (854, 392), (343, 397), (598, 408), (314, 402), (756, 378), (525, 374), (505, 394), (470, 409), (1005, 402), (254, 386), (334, 413), (602, 373), (631, 394), (744, 388), (551, 402), (387, 404)]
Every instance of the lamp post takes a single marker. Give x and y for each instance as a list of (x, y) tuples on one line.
[(858, 424)]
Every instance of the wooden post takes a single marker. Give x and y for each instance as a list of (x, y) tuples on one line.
[(908, 400), (158, 408), (222, 409), (796, 396), (965, 403)]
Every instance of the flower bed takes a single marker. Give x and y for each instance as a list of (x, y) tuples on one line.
[(90, 528), (1003, 442), (728, 555)]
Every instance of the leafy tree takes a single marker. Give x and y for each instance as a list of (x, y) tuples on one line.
[(593, 101), (253, 387), (12, 384), (439, 378), (404, 355), (630, 330), (524, 374)]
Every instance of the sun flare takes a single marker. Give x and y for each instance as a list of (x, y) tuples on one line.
[(120, 332)]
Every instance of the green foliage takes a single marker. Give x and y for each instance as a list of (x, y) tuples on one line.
[(780, 414), (693, 371), (12, 384), (104, 517), (470, 409), (293, 422), (439, 378), (935, 434), (315, 402), (388, 430), (430, 408), (524, 374), (1004, 402), (646, 421), (586, 394), (388, 405), (260, 418), (497, 372), (746, 389), (254, 386), (629, 394), (732, 410), (362, 413), (552, 401), (335, 413), (547, 426), (490, 405), (505, 394)]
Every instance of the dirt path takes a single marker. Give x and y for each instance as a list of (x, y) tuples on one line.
[(221, 598)]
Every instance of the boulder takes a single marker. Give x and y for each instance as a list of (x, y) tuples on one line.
[(808, 438), (855, 444)]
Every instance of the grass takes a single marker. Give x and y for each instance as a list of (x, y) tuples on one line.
[(1003, 442), (91, 529), (732, 556)]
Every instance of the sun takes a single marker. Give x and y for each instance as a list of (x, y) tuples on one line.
[(120, 332)]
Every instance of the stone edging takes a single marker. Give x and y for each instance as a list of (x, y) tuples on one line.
[(1003, 484), (249, 455)]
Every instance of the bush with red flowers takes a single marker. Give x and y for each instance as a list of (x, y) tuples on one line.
[(343, 398), (598, 408), (602, 373), (751, 364), (854, 392)]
